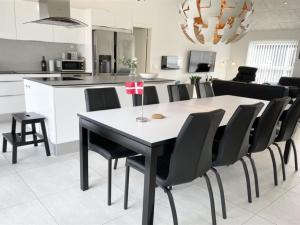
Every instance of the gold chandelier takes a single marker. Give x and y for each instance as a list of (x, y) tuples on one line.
[(216, 20)]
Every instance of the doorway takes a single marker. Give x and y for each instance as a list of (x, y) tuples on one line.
[(141, 43)]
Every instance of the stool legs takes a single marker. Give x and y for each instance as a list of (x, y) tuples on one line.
[(34, 134), (13, 126), (45, 138), (4, 146)]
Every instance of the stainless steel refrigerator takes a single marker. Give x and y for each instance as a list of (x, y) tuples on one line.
[(108, 47)]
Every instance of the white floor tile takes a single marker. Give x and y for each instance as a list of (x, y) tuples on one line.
[(284, 211), (14, 191), (32, 213), (54, 178)]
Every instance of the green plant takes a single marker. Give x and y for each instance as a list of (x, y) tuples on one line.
[(131, 63), (195, 78)]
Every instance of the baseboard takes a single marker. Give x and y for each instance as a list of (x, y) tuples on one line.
[(64, 148)]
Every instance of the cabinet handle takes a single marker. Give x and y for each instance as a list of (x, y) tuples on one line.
[(4, 96), (27, 86), (11, 81)]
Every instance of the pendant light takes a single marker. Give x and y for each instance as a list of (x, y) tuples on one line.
[(216, 20)]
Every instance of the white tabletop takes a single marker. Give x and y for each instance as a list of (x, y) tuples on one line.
[(124, 119)]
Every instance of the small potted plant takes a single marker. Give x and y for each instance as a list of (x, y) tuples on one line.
[(131, 63), (194, 79)]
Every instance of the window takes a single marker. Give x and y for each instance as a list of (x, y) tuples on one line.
[(273, 59)]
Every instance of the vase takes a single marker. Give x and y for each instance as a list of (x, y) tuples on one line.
[(132, 72)]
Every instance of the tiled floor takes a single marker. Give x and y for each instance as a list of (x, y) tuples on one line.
[(40, 190)]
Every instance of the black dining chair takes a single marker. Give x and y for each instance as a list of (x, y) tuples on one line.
[(231, 144), (287, 130), (193, 147), (150, 97), (264, 134), (104, 99), (178, 92), (204, 90)]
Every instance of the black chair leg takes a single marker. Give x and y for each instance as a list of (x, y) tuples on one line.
[(223, 203), (172, 204), (126, 187), (295, 154), (116, 164), (274, 166), (4, 145), (282, 161), (109, 183), (14, 154), (247, 180), (212, 201), (255, 175)]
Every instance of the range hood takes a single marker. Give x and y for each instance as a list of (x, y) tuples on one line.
[(58, 13)]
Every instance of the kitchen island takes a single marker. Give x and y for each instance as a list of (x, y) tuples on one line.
[(60, 99)]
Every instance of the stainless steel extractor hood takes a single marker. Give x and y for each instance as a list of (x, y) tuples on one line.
[(57, 12)]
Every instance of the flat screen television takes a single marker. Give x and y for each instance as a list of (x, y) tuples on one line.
[(202, 62), (170, 63)]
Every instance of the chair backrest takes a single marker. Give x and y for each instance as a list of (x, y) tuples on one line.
[(192, 154), (204, 90), (101, 99), (235, 141), (265, 129), (150, 97), (178, 92), (246, 74), (290, 121)]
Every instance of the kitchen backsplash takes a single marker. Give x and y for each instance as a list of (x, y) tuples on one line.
[(27, 55)]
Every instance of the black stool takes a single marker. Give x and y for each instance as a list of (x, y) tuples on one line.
[(19, 139)]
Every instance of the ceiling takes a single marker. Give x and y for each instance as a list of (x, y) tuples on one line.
[(269, 14)]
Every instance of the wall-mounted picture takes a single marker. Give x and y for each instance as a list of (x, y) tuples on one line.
[(201, 61)]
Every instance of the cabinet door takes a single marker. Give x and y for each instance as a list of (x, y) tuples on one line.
[(71, 35), (27, 11), (7, 18)]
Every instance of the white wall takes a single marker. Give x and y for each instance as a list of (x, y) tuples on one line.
[(17, 55), (239, 50), (166, 36)]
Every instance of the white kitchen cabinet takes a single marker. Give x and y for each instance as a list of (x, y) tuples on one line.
[(72, 35), (28, 11), (7, 18), (12, 98)]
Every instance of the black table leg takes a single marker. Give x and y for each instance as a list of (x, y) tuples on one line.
[(287, 151), (84, 166), (149, 187)]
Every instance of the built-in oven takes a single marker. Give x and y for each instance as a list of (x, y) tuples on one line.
[(68, 65)]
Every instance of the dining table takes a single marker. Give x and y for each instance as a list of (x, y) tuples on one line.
[(149, 138)]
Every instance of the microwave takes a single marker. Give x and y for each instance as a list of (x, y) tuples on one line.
[(66, 65)]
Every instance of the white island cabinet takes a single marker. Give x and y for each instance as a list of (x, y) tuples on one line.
[(61, 104), (12, 99)]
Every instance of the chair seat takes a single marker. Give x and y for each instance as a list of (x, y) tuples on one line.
[(109, 149), (138, 163)]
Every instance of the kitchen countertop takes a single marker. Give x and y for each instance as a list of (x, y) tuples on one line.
[(39, 72), (89, 80)]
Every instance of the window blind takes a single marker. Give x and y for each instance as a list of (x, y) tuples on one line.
[(273, 59)]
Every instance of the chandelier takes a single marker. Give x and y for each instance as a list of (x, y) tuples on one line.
[(216, 20)]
